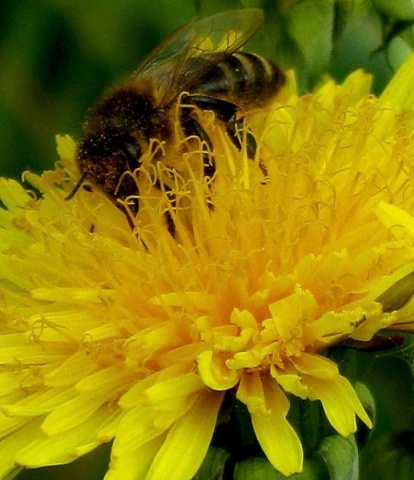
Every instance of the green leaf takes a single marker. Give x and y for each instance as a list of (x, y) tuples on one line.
[(310, 24), (367, 400), (341, 457), (363, 433), (213, 465), (399, 9), (400, 48), (261, 469), (256, 469)]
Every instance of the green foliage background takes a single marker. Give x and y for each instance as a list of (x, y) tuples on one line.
[(57, 57)]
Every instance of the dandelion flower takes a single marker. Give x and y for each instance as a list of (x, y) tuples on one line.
[(115, 328)]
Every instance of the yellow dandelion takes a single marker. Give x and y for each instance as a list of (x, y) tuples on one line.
[(112, 328)]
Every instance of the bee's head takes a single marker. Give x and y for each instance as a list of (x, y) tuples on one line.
[(105, 155)]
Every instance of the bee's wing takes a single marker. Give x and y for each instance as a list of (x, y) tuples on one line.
[(173, 64)]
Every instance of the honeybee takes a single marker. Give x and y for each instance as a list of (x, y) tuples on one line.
[(199, 66)]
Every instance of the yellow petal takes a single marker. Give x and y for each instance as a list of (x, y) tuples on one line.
[(399, 221), (134, 464), (276, 436), (400, 90), (61, 449), (339, 401), (73, 413), (214, 372), (188, 440)]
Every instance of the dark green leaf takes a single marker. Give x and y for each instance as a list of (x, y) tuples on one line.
[(341, 457), (213, 465)]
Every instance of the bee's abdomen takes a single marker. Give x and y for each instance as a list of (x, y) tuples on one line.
[(243, 77)]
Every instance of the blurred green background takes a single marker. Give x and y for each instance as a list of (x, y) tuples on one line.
[(57, 57)]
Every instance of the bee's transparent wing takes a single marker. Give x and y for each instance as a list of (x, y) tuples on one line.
[(173, 64)]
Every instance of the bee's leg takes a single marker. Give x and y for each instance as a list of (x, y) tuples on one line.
[(172, 201), (77, 186), (192, 127), (227, 112), (233, 130), (236, 130)]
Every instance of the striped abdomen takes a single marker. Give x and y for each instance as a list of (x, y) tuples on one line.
[(243, 78)]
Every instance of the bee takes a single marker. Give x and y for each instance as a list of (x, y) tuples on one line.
[(198, 67)]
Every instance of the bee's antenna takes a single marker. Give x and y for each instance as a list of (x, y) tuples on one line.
[(77, 186)]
